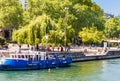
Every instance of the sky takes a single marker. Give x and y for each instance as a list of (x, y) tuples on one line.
[(109, 6)]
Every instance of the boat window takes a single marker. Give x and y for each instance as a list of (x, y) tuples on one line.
[(26, 56), (50, 56), (15, 56), (12, 56), (22, 56), (39, 57), (18, 56), (30, 57)]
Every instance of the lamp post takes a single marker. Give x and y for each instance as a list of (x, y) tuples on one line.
[(66, 9), (108, 36), (119, 36), (46, 41), (109, 32)]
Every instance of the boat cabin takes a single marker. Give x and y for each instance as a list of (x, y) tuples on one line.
[(32, 57)]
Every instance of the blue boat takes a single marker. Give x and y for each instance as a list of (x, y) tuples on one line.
[(34, 61)]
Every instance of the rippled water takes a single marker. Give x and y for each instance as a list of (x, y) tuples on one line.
[(103, 70)]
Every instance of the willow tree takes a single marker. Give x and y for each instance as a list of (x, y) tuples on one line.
[(10, 13), (20, 36), (35, 32)]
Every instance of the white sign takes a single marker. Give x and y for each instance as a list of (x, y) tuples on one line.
[(105, 44)]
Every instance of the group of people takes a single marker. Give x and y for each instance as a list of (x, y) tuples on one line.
[(58, 48), (49, 48)]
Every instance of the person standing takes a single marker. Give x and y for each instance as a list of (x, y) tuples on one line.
[(61, 48), (37, 47), (31, 48), (6, 46), (68, 48), (58, 48), (48, 49), (19, 51), (52, 48)]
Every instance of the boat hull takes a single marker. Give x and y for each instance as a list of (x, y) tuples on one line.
[(20, 64)]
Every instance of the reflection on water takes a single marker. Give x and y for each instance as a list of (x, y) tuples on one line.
[(103, 70)]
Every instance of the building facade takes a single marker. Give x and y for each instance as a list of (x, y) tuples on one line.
[(108, 16)]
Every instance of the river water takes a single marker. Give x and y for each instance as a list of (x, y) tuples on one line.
[(102, 70)]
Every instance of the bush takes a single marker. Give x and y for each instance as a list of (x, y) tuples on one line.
[(2, 41)]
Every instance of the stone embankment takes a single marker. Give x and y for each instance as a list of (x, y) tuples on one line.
[(81, 56)]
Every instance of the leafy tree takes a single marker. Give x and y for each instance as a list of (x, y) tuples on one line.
[(80, 14), (10, 13), (46, 16), (21, 35), (91, 35), (35, 31), (112, 28)]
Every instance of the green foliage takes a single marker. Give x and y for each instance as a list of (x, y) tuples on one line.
[(86, 13), (20, 36), (43, 17), (112, 28), (91, 35), (80, 14), (35, 31), (10, 13), (2, 41)]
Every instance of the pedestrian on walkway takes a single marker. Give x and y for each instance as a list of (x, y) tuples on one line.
[(61, 48), (19, 50), (58, 48)]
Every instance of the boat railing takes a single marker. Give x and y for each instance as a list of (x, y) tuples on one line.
[(35, 56)]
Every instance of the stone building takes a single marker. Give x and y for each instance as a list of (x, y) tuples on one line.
[(108, 16)]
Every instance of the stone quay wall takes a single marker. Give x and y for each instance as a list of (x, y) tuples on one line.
[(80, 56)]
